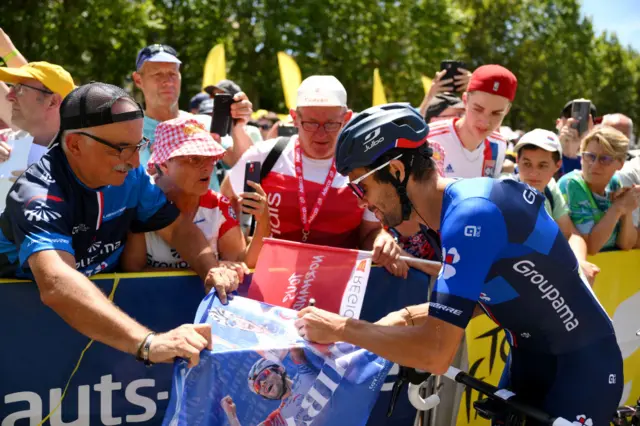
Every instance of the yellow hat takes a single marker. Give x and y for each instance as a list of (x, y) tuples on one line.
[(54, 77)]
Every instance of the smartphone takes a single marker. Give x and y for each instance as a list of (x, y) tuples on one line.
[(221, 120), (580, 112), (251, 173), (287, 130), (451, 67)]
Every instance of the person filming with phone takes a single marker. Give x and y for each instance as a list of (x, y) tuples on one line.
[(576, 119)]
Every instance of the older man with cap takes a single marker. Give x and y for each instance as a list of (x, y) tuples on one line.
[(68, 215), (36, 93), (472, 143), (308, 201)]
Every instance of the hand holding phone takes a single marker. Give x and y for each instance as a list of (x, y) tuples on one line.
[(251, 173), (451, 67), (580, 110), (221, 120)]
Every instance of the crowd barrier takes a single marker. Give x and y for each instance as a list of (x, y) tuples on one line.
[(39, 352)]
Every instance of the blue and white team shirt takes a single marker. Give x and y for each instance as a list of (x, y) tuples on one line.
[(502, 250), (48, 208)]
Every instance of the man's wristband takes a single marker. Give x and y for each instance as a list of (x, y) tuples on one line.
[(143, 350), (10, 56)]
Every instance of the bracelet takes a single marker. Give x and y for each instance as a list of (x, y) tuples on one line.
[(410, 317), (10, 55), (143, 350)]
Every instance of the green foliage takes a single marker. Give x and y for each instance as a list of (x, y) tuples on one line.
[(548, 45)]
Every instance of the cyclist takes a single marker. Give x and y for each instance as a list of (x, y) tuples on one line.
[(501, 251)]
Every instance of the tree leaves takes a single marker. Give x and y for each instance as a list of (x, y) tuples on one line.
[(550, 47)]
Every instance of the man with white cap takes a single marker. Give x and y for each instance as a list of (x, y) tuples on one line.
[(539, 157), (308, 200)]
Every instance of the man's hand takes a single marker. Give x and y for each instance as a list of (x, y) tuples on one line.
[(6, 45), (224, 281), (590, 271), (241, 108), (386, 251), (255, 203), (186, 341), (319, 326), (462, 79), (228, 406), (570, 139), (240, 268), (398, 268), (5, 151)]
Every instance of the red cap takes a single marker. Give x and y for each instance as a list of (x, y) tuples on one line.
[(494, 79)]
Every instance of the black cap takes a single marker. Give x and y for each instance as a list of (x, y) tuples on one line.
[(566, 111), (227, 86), (206, 107), (90, 106), (440, 102)]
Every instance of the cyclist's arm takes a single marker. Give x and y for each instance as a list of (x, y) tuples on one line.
[(432, 345)]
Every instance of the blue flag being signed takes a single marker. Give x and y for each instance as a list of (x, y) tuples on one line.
[(260, 372)]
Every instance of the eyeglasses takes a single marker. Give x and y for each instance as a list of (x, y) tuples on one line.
[(257, 383), (603, 160), (124, 152), (329, 126), (355, 185), (197, 161), (149, 51), (19, 89)]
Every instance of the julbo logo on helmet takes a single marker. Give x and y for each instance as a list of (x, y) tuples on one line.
[(370, 140)]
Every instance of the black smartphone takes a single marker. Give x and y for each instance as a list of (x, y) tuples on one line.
[(451, 67), (580, 111), (251, 173), (287, 130), (221, 120)]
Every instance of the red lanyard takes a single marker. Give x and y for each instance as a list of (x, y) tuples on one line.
[(302, 200)]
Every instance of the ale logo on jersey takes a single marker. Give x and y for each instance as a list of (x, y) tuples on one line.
[(451, 257), (583, 420), (42, 212)]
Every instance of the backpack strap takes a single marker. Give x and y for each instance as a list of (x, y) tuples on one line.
[(273, 156), (549, 196)]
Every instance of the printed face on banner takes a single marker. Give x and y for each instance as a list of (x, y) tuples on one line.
[(281, 380)]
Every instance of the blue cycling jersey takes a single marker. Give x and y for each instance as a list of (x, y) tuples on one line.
[(503, 251), (48, 208)]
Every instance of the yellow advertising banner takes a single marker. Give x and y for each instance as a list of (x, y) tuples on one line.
[(618, 289)]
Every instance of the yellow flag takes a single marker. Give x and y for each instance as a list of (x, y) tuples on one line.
[(290, 77), (215, 67), (379, 97), (426, 83)]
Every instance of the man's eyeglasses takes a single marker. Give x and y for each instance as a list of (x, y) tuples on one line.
[(355, 185), (124, 152), (329, 126), (19, 89), (603, 160)]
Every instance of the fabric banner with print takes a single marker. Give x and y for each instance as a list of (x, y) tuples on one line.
[(260, 372), (289, 274)]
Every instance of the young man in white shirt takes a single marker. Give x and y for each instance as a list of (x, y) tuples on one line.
[(473, 147)]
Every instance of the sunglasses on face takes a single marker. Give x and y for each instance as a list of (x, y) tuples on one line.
[(355, 185), (603, 160), (124, 152), (257, 384), (19, 89)]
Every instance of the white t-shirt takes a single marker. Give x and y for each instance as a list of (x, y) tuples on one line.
[(214, 217), (486, 160), (630, 175), (337, 224)]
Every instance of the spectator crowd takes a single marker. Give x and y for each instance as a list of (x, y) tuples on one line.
[(99, 183)]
